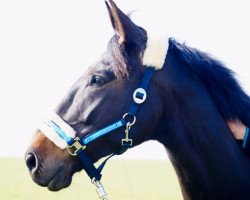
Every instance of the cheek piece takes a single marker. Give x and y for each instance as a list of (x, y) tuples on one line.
[(64, 136)]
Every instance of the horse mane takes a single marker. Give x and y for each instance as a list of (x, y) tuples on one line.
[(223, 87)]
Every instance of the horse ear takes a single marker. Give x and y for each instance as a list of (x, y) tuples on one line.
[(126, 31)]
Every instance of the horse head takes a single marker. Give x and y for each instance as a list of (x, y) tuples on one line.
[(100, 96)]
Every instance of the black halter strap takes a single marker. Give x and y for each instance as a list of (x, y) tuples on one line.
[(77, 146), (139, 97)]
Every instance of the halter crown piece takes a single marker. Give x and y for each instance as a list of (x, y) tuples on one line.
[(64, 136)]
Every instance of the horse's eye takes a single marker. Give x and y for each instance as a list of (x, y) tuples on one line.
[(98, 80)]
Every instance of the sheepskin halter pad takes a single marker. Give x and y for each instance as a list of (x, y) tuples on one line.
[(50, 133), (156, 51), (157, 40)]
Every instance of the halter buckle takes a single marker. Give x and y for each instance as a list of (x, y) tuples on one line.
[(139, 95), (76, 146)]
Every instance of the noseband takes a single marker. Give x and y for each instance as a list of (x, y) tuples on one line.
[(76, 146)]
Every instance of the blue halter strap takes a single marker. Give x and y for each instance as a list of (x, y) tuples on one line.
[(77, 146)]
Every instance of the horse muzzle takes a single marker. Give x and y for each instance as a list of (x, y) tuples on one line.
[(53, 171)]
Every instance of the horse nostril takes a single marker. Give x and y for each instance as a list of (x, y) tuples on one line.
[(31, 162)]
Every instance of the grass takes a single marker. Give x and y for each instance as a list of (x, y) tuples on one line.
[(123, 179)]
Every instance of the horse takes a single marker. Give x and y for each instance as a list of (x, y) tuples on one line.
[(189, 100)]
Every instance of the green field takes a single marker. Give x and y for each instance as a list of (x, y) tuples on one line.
[(123, 179)]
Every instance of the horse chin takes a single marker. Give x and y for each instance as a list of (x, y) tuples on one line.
[(54, 181), (59, 181), (56, 186)]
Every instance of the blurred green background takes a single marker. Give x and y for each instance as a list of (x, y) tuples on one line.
[(123, 179)]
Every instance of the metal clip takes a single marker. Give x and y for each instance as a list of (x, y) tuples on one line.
[(100, 189), (127, 141), (76, 147)]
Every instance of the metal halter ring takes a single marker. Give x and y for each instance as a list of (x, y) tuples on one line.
[(130, 123)]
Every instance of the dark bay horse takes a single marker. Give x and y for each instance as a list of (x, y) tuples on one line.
[(188, 103)]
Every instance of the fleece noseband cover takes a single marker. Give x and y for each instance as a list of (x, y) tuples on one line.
[(50, 132)]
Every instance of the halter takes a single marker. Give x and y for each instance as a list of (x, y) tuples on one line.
[(76, 146)]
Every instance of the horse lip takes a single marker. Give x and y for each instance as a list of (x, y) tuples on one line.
[(44, 183), (53, 177)]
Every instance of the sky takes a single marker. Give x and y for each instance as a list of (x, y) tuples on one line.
[(45, 45)]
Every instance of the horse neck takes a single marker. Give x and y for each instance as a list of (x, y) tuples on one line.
[(200, 146)]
